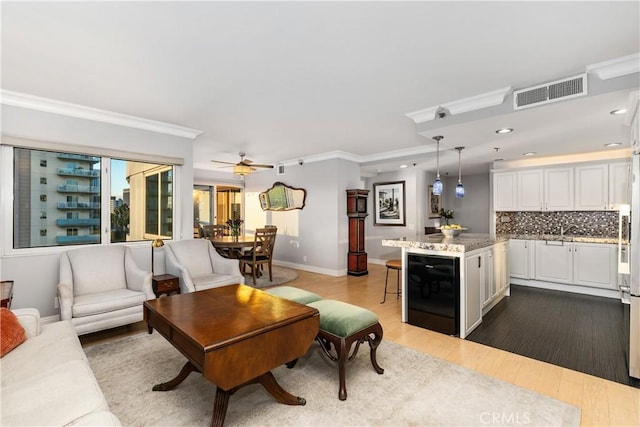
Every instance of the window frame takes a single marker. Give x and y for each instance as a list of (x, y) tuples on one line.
[(7, 198)]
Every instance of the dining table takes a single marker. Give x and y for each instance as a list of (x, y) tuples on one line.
[(232, 246)]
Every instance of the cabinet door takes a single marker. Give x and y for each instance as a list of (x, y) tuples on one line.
[(554, 261), (474, 281), (500, 267), (530, 190), (519, 258), (619, 184), (489, 288), (595, 265), (591, 190), (558, 189), (504, 191)]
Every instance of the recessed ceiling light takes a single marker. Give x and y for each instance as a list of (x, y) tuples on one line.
[(618, 111), (504, 130), (530, 153), (613, 144), (403, 166)]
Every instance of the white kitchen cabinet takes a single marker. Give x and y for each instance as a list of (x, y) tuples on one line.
[(619, 184), (595, 265), (500, 266), (558, 189), (488, 271), (530, 194), (591, 187), (505, 191), (522, 258), (474, 280), (554, 261)]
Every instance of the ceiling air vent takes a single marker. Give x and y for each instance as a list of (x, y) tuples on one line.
[(280, 169), (550, 92)]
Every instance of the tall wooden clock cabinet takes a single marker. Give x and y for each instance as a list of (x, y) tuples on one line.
[(357, 212)]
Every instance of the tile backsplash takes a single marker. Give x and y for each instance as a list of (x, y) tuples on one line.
[(592, 224)]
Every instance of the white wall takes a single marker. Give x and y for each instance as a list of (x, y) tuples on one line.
[(36, 272), (318, 232), (471, 211)]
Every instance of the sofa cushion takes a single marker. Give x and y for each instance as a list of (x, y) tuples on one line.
[(193, 255), (103, 302), (97, 269), (55, 397), (12, 333), (213, 281), (57, 344)]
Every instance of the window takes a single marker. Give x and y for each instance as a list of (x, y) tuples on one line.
[(63, 204)]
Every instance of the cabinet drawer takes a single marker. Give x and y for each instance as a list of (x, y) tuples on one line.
[(166, 285)]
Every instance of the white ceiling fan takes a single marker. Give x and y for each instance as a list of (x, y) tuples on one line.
[(244, 166)]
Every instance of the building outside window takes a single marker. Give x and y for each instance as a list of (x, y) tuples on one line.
[(58, 199)]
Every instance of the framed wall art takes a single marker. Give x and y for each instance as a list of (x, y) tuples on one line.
[(389, 203), (434, 204)]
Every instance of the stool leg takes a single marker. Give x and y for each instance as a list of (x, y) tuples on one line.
[(398, 285), (342, 359), (386, 279), (373, 344)]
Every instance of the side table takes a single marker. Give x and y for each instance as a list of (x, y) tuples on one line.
[(165, 284)]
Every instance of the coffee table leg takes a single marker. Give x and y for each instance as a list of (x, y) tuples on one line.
[(220, 403), (270, 384), (184, 373)]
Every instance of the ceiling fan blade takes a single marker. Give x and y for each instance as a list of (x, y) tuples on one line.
[(254, 165), (226, 163)]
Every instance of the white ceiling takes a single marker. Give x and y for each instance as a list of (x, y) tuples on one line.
[(290, 80)]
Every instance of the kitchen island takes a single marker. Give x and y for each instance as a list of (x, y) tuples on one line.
[(448, 284)]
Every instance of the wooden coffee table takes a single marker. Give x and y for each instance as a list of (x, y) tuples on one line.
[(234, 335)]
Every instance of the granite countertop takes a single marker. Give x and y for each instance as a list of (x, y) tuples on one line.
[(558, 238), (465, 242)]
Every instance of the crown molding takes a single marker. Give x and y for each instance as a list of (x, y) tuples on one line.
[(32, 102), (616, 67), (484, 100)]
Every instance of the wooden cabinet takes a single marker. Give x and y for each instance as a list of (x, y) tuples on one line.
[(530, 190), (505, 191), (591, 188), (474, 283), (554, 261), (585, 264), (521, 258), (619, 184), (595, 265), (356, 212), (558, 189)]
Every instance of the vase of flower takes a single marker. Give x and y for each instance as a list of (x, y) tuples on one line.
[(234, 227), (447, 214)]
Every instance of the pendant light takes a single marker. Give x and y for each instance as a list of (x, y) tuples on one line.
[(459, 187), (437, 184)]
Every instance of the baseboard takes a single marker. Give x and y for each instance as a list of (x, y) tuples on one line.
[(576, 289), (377, 261), (311, 269)]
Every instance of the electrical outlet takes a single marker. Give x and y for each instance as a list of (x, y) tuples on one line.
[(295, 244), (304, 258), (56, 303)]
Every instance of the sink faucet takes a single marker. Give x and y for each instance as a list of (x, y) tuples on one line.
[(564, 230)]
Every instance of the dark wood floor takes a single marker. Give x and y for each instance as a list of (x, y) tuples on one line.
[(579, 332)]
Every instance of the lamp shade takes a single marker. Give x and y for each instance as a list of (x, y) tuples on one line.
[(241, 170), (459, 190), (157, 243), (437, 187)]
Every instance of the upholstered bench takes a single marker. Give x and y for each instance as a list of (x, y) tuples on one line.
[(342, 324), (294, 294)]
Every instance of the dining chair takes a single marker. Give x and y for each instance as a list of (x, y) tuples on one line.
[(261, 254), (214, 230)]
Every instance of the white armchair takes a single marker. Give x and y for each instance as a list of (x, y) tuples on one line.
[(101, 287), (199, 266)]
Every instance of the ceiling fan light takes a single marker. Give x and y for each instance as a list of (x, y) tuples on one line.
[(241, 170)]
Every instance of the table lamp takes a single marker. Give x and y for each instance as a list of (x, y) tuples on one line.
[(157, 243)]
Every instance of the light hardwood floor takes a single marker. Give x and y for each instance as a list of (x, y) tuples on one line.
[(603, 402)]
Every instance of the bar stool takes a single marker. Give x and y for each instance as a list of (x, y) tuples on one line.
[(392, 264)]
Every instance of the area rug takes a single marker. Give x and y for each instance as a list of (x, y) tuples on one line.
[(415, 390), (280, 275)]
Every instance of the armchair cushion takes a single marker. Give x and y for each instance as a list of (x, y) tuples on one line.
[(103, 302), (12, 333), (98, 270), (194, 256)]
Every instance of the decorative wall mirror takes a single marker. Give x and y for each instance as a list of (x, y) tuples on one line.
[(281, 197)]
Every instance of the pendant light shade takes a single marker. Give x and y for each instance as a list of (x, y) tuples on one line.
[(437, 184), (459, 187)]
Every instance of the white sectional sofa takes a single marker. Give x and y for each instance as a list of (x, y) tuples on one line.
[(47, 380)]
